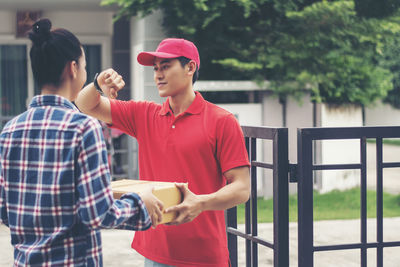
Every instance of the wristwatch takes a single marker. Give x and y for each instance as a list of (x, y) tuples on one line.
[(96, 85)]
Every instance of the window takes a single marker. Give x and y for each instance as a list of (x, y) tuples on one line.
[(13, 80), (14, 77), (93, 61)]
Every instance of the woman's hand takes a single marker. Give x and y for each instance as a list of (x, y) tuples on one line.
[(153, 205)]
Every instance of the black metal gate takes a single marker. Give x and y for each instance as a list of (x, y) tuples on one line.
[(303, 173), (306, 168), (280, 168)]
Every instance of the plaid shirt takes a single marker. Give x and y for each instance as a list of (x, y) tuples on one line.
[(55, 190)]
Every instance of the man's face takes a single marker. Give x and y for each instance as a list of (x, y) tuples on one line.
[(170, 77)]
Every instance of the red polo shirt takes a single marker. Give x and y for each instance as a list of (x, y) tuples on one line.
[(196, 147)]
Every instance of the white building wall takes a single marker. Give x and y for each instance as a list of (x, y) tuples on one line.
[(382, 115), (7, 23), (272, 111), (301, 115), (272, 117), (338, 151), (147, 33), (82, 22), (298, 115)]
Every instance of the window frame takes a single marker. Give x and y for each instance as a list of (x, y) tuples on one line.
[(12, 40), (105, 44), (103, 41)]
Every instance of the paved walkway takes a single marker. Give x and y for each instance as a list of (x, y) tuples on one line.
[(117, 251)]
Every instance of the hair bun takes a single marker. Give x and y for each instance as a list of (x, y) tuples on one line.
[(40, 31)]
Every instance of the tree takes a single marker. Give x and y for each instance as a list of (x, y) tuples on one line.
[(328, 46), (391, 61), (332, 47), (376, 9), (222, 29)]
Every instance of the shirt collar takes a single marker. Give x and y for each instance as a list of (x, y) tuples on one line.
[(51, 100), (195, 108)]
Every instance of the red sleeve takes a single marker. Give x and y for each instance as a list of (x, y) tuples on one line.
[(231, 149), (127, 115)]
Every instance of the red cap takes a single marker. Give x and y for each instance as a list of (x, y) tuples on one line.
[(171, 48)]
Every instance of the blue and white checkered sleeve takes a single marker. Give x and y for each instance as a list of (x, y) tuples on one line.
[(97, 207), (3, 203)]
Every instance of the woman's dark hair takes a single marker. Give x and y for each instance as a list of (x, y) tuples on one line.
[(51, 51), (184, 61)]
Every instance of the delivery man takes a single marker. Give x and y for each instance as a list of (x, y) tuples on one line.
[(186, 140)]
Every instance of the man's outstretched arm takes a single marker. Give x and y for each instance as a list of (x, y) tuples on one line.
[(90, 101)]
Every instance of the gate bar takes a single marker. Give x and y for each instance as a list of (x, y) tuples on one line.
[(305, 203), (379, 201), (363, 201)]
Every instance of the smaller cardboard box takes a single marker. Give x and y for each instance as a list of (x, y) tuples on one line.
[(166, 192)]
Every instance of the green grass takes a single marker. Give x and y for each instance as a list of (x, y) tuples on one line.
[(334, 205), (393, 142)]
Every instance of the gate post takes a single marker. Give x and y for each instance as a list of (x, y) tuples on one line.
[(305, 200), (281, 198), (231, 220)]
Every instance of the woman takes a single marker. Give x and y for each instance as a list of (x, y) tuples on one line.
[(55, 190)]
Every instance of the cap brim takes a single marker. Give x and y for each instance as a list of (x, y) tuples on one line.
[(147, 58)]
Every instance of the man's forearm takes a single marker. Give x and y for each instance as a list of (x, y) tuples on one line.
[(235, 192), (227, 197), (90, 102), (88, 99)]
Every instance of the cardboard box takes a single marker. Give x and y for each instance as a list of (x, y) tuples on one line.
[(166, 192)]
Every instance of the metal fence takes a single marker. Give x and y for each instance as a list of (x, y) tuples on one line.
[(304, 173), (306, 169), (280, 168)]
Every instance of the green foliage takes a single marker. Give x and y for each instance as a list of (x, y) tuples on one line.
[(376, 8), (329, 47), (337, 51), (391, 61)]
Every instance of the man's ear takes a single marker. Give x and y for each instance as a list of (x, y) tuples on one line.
[(192, 67)]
